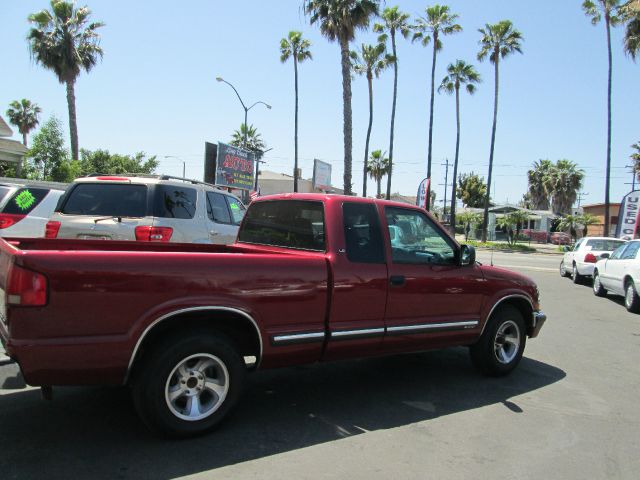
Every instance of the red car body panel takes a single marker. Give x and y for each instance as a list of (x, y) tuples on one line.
[(104, 296)]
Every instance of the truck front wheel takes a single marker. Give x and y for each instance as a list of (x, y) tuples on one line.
[(186, 386), (501, 346)]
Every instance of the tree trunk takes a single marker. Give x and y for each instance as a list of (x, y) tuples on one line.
[(73, 124), (608, 172), (485, 220), (24, 138), (295, 136), (452, 211), (433, 79), (379, 187), (393, 112), (346, 112), (366, 145)]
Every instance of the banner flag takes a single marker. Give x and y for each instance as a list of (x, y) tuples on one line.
[(423, 193), (628, 217)]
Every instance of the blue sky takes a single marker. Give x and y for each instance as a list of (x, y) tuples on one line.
[(155, 90)]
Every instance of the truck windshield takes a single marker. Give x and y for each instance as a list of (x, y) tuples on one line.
[(297, 224)]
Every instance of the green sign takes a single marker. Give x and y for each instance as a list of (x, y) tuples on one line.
[(24, 200)]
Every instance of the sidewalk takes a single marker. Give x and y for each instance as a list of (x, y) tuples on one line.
[(541, 248)]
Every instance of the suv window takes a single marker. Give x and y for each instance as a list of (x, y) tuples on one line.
[(104, 199), (237, 209), (24, 200), (362, 233), (172, 201), (295, 224), (415, 239), (217, 210)]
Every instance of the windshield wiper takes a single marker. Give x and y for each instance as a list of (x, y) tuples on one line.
[(116, 218)]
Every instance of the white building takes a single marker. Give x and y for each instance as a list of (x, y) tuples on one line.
[(11, 151)]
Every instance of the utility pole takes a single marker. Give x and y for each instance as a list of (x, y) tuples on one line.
[(446, 185), (580, 197), (633, 176)]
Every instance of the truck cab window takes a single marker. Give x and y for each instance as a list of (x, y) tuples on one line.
[(362, 233), (415, 239)]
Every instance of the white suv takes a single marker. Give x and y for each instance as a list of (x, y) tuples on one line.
[(156, 208), (25, 209)]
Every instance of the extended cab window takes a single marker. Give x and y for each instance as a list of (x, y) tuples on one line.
[(362, 233), (415, 239), (173, 201), (24, 200), (107, 199), (295, 224)]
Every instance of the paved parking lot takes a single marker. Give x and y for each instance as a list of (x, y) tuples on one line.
[(569, 411)]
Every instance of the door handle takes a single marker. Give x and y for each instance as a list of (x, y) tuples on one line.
[(213, 233), (396, 280)]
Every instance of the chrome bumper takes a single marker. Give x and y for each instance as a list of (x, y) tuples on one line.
[(537, 321)]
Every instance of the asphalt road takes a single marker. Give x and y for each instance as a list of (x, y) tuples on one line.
[(568, 412)]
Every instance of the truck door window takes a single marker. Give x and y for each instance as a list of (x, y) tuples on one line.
[(362, 233), (416, 240), (217, 210)]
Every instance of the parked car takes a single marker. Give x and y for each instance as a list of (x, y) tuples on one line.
[(619, 274), (560, 238), (151, 208), (25, 209), (578, 262), (312, 278)]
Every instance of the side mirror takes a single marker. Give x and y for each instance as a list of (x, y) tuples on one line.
[(467, 255), (604, 255), (566, 248)]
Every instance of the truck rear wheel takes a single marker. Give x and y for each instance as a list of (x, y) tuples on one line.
[(501, 346), (185, 387)]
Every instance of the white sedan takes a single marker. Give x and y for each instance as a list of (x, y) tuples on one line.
[(579, 261), (619, 274)]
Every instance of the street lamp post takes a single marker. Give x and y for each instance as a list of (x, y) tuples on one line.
[(246, 109), (258, 162), (184, 164)]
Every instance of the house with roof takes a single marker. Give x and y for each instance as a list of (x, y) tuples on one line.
[(11, 151)]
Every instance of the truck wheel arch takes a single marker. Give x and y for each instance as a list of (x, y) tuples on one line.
[(236, 324), (519, 301)]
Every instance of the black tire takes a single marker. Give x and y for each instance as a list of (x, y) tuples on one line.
[(631, 300), (563, 270), (486, 353), (598, 289), (575, 276), (158, 375)]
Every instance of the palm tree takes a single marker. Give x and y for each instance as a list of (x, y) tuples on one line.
[(520, 219), (24, 115), (437, 22), (539, 179), (564, 183), (63, 40), (378, 167), (636, 158), (468, 219), (297, 47), (458, 74), (371, 60), (498, 41), (610, 9), (585, 220), (632, 33), (254, 142), (570, 222), (339, 20), (394, 21)]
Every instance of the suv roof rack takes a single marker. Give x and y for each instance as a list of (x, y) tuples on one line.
[(159, 177)]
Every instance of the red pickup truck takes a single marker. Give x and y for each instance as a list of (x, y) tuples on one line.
[(311, 278)]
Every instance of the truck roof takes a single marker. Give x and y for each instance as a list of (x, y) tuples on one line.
[(330, 198)]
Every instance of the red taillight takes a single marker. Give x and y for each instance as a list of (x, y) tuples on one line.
[(114, 179), (51, 229), (26, 288), (153, 234), (590, 258), (8, 219)]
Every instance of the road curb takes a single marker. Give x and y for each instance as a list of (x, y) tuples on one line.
[(504, 250)]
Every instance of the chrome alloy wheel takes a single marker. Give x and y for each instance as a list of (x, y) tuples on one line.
[(197, 387), (628, 297), (507, 342)]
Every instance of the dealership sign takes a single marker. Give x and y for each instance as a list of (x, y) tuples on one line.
[(423, 193), (321, 175), (235, 167), (628, 216)]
